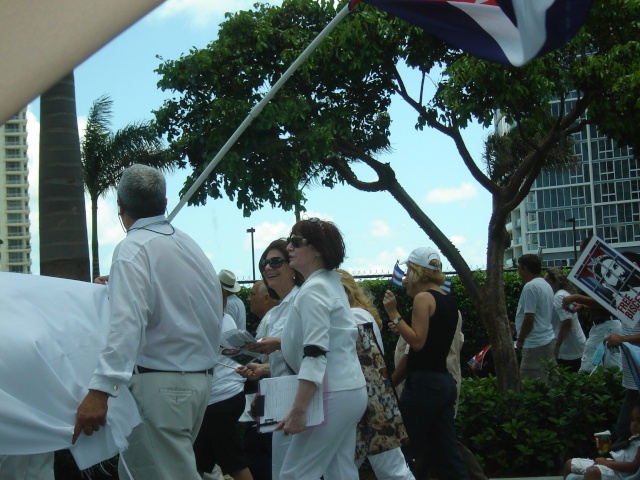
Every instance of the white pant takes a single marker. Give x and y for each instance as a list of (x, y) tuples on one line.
[(172, 406), (329, 449), (38, 466), (389, 465)]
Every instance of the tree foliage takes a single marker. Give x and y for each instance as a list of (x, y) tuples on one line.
[(333, 114), (105, 155)]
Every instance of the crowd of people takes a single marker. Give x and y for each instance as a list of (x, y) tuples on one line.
[(170, 310)]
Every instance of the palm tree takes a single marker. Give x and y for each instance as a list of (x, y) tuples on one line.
[(105, 155), (64, 251)]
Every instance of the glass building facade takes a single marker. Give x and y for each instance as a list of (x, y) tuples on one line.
[(15, 236), (598, 196)]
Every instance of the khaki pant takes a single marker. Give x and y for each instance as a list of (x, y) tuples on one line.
[(172, 406), (533, 365)]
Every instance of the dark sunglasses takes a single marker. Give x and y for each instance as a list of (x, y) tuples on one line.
[(273, 262), (297, 241)]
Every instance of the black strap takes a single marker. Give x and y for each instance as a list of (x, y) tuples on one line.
[(313, 351)]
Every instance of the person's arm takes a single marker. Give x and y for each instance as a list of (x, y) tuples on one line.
[(424, 305), (266, 345), (399, 375), (613, 340), (91, 414), (525, 329), (565, 328), (254, 371), (581, 300), (622, 467), (296, 420)]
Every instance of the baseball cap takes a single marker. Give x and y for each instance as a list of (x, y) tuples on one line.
[(421, 256)]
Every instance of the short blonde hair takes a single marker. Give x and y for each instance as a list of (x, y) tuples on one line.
[(426, 275), (358, 298)]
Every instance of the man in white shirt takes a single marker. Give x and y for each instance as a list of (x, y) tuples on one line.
[(235, 306), (535, 340), (166, 311)]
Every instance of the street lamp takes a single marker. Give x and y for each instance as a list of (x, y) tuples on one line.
[(253, 257), (572, 221)]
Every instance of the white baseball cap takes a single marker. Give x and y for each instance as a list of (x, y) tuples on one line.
[(422, 257)]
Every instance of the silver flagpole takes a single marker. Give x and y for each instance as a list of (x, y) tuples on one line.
[(255, 111)]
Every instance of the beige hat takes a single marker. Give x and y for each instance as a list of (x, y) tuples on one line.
[(228, 281)]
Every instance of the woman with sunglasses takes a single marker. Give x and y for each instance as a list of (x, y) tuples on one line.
[(319, 345), (283, 284)]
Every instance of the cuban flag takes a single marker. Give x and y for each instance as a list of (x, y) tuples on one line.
[(398, 275), (446, 288), (509, 32)]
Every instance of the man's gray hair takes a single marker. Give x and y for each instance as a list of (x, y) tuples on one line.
[(142, 191)]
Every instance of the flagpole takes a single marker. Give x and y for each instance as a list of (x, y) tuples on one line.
[(258, 108)]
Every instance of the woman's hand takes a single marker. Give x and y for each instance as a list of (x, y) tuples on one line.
[(266, 345), (613, 340), (294, 422), (390, 304), (253, 371), (102, 280)]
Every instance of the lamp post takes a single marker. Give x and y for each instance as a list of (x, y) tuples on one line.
[(253, 257), (572, 221)]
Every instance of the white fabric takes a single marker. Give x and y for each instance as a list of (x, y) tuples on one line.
[(389, 465), (38, 466), (328, 450), (321, 317), (612, 358), (235, 307), (166, 306), (627, 377), (279, 317), (536, 298), (363, 317), (52, 332), (227, 382), (262, 331), (573, 345)]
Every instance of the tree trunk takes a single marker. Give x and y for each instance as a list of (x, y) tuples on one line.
[(489, 298), (95, 256), (493, 306), (64, 249)]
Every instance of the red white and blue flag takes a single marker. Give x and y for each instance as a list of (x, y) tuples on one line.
[(509, 32)]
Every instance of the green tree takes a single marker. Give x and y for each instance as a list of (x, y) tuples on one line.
[(333, 114), (64, 250), (106, 154)]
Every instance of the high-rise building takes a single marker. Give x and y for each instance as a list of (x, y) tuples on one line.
[(15, 238), (598, 196)]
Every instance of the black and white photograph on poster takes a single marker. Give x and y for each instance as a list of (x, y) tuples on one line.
[(606, 275)]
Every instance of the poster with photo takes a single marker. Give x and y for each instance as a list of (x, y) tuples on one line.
[(607, 276)]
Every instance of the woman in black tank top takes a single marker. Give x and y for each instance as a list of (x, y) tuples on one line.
[(429, 395)]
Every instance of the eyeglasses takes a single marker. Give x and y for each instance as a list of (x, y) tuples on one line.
[(273, 262), (297, 241)]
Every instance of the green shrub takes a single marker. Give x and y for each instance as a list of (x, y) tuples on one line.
[(535, 431)]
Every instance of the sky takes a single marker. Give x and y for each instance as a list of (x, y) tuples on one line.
[(377, 230)]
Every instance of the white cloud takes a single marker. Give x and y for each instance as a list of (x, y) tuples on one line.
[(265, 233), (466, 191), (380, 229), (458, 240), (381, 264), (204, 13)]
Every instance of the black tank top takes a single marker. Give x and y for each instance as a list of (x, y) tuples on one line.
[(442, 328)]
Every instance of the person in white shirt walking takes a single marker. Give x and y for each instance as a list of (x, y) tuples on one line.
[(235, 306), (570, 338), (535, 340), (166, 312)]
